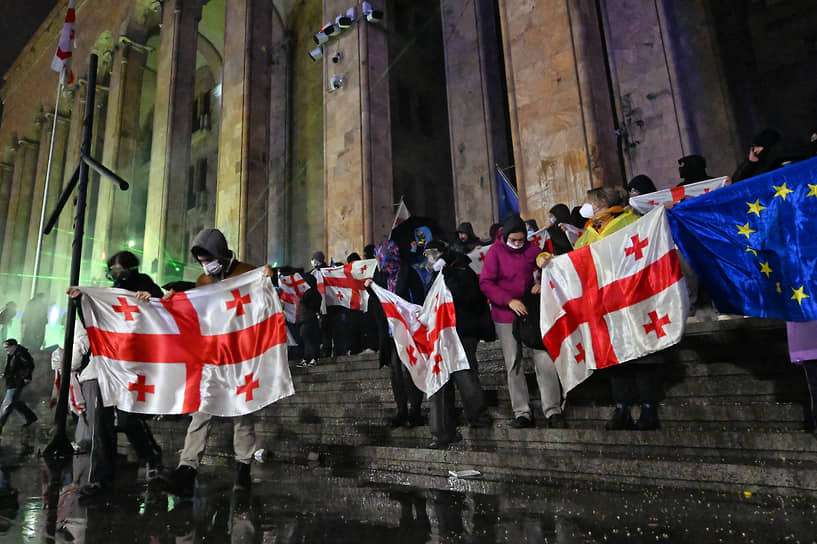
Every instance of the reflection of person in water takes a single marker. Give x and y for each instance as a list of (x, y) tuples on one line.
[(414, 523), (8, 501), (448, 507)]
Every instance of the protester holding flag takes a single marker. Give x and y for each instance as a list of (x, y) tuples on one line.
[(398, 277), (96, 428), (558, 241), (210, 250), (606, 210), (306, 318), (506, 277), (473, 324)]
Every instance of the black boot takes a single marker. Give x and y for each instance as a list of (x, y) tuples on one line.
[(648, 420), (183, 481), (621, 420), (243, 482)]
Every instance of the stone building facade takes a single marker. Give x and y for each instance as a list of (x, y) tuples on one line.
[(217, 116)]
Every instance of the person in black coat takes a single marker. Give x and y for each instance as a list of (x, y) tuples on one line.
[(19, 366), (760, 159), (473, 324), (397, 276)]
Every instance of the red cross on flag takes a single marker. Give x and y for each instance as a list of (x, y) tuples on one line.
[(343, 285), (65, 48), (291, 290), (540, 237), (425, 336), (477, 257), (644, 203), (219, 349), (613, 301)]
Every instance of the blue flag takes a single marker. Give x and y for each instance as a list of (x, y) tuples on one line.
[(508, 200), (754, 244)]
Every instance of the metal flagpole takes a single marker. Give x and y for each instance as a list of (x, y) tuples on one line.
[(45, 190)]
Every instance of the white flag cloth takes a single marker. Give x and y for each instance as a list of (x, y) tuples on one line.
[(219, 349), (573, 233), (425, 336), (477, 257), (540, 237), (65, 48), (613, 301), (401, 215), (644, 203), (343, 285), (290, 290)]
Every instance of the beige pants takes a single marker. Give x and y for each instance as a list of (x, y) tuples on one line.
[(199, 429)]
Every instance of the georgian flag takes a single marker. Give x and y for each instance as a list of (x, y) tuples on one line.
[(644, 203), (540, 237), (401, 215), (291, 290), (425, 336), (613, 301), (477, 257), (65, 48), (219, 349), (343, 285)]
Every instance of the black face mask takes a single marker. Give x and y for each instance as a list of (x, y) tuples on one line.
[(118, 276)]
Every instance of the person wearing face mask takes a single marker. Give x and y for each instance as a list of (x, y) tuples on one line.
[(466, 241), (507, 275), (606, 211), (759, 159), (319, 261), (558, 242), (692, 169), (218, 262), (473, 325), (96, 428)]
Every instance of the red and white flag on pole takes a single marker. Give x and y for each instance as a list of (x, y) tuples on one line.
[(477, 257), (540, 237), (425, 336), (65, 49), (401, 215), (613, 301), (644, 203), (290, 290), (343, 285), (219, 349)]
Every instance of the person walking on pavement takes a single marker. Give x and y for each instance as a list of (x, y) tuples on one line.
[(19, 366)]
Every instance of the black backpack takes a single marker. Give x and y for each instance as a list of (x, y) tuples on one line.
[(526, 327)]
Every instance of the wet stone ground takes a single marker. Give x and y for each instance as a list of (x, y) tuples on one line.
[(311, 503)]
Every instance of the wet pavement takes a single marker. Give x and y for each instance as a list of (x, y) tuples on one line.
[(311, 503)]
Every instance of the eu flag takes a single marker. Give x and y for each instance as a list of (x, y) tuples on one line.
[(754, 244), (508, 200)]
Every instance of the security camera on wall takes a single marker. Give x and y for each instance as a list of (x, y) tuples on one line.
[(316, 54), (335, 83), (372, 15), (337, 57), (343, 22)]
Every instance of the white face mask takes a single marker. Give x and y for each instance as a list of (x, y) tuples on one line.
[(513, 245), (212, 268), (314, 263), (552, 220), (586, 211), (438, 265)]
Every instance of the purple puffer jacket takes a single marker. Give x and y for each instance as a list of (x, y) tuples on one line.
[(507, 274)]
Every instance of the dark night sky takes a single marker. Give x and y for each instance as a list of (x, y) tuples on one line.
[(19, 21)]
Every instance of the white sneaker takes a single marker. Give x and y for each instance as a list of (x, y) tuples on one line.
[(311, 363), (303, 364)]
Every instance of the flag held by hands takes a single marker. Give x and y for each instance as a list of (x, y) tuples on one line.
[(219, 349), (613, 301), (425, 336)]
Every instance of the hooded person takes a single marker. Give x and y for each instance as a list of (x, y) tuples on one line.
[(473, 324), (507, 276), (466, 241), (641, 185), (692, 169), (218, 262), (760, 158), (558, 242), (396, 275)]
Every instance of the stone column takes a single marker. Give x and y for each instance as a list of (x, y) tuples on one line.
[(562, 121), (279, 144), (243, 160), (20, 209), (172, 133), (357, 142), (6, 174), (65, 226), (91, 271), (121, 132), (470, 70)]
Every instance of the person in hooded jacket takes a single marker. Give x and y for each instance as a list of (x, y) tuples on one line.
[(17, 373), (760, 159), (558, 242), (399, 277), (466, 240), (473, 324), (96, 428), (692, 169), (507, 275), (210, 250)]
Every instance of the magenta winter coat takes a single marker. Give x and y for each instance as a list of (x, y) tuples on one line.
[(507, 274)]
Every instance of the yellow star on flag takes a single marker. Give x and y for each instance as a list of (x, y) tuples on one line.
[(748, 249), (765, 268), (799, 295), (755, 207), (813, 191), (782, 191), (779, 290), (745, 230)]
